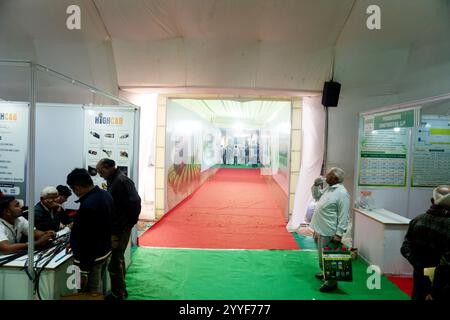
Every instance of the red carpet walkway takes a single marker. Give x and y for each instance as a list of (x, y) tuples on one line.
[(404, 283), (234, 209)]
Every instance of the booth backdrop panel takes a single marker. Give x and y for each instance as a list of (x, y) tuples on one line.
[(59, 145), (188, 137), (109, 132), (13, 148), (406, 200)]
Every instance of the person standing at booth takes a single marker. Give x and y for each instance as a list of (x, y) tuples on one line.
[(330, 219), (127, 207), (90, 239), (427, 241)]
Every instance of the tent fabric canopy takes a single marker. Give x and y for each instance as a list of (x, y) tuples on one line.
[(257, 46), (266, 44)]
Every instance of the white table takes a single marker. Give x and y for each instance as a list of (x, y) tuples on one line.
[(378, 235), (53, 279), (52, 283)]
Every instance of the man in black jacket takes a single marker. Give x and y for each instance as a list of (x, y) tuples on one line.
[(127, 207), (427, 240), (90, 239)]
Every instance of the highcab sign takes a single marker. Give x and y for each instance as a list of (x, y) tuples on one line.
[(108, 133), (13, 147)]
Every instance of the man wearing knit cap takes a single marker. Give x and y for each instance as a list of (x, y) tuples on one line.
[(428, 239)]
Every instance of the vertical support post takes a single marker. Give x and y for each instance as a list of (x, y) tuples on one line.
[(31, 177)]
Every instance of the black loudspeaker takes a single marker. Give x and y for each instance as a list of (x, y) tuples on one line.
[(330, 95)]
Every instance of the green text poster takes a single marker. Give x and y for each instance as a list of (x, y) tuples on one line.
[(383, 156)]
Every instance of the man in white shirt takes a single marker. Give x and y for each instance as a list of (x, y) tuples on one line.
[(330, 218), (235, 155), (13, 226)]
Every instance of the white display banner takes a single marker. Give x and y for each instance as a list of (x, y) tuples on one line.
[(431, 153), (108, 133), (13, 147)]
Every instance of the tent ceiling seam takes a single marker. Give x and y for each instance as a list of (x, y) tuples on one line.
[(101, 19)]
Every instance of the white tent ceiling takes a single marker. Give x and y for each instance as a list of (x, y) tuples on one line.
[(252, 44), (227, 113), (247, 47)]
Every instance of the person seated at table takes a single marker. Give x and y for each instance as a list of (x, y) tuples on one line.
[(46, 215), (13, 226)]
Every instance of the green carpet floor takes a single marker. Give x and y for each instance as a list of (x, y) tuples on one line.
[(304, 242), (241, 274)]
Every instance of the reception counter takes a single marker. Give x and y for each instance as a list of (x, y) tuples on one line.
[(378, 235)]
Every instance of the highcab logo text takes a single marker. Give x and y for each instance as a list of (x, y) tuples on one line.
[(100, 119), (8, 116)]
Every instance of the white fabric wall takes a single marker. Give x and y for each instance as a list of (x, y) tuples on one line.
[(146, 171), (59, 146), (313, 124)]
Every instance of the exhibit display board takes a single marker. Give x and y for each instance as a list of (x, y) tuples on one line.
[(431, 153), (109, 133), (383, 155), (13, 147), (402, 155)]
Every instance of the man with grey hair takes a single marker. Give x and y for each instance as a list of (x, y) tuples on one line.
[(46, 216), (126, 210), (330, 219), (428, 240)]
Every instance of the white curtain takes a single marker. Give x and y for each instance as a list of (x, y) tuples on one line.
[(313, 127)]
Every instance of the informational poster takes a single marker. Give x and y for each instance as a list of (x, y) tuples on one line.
[(13, 148), (400, 119), (383, 156), (431, 156), (108, 133)]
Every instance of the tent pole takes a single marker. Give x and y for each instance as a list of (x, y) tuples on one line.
[(31, 176)]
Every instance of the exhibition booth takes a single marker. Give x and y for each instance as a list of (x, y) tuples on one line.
[(49, 125), (403, 153)]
